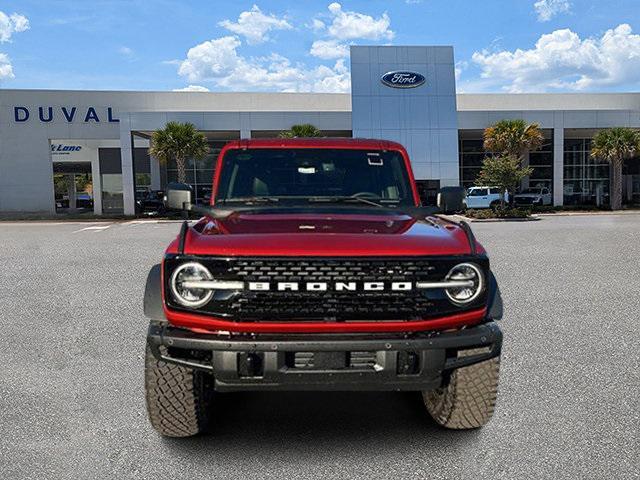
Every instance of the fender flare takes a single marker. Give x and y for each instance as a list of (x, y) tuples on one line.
[(495, 309), (153, 295)]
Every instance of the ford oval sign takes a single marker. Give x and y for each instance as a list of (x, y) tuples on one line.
[(402, 79)]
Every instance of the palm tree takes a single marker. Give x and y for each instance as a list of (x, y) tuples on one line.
[(301, 131), (615, 145), (513, 138), (178, 141)]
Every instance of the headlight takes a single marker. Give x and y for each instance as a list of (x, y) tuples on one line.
[(471, 283), (190, 297)]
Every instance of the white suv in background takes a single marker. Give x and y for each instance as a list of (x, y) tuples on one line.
[(484, 197), (533, 196)]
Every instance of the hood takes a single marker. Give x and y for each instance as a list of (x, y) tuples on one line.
[(324, 234)]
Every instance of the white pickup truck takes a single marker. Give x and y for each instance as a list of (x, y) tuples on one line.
[(484, 197)]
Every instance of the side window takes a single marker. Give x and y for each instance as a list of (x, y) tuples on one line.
[(494, 191)]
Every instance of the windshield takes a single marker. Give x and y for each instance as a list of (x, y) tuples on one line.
[(305, 174)]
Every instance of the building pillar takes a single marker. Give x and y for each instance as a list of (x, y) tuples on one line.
[(558, 166), (96, 182), (71, 191), (126, 159), (245, 125), (154, 166)]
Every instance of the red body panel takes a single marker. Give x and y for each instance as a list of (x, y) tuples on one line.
[(205, 322), (320, 234)]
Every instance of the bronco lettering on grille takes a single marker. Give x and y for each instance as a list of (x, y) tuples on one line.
[(324, 286)]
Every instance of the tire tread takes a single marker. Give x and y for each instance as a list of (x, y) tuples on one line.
[(177, 397), (469, 400)]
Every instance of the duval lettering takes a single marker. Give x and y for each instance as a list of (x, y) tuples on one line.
[(47, 114)]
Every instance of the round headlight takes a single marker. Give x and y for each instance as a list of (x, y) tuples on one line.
[(190, 297), (471, 283)]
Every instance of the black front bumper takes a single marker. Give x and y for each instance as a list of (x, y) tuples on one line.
[(326, 362)]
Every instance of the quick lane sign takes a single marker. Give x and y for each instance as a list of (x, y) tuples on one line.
[(66, 114), (62, 149)]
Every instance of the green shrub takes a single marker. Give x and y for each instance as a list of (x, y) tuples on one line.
[(506, 212)]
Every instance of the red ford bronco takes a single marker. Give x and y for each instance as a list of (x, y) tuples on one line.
[(315, 267)]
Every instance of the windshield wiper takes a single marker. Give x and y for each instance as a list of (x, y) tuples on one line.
[(252, 200), (345, 199)]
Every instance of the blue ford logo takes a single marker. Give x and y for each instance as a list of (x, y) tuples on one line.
[(403, 79)]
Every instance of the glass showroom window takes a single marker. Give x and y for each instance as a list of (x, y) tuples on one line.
[(586, 180), (199, 172), (471, 156), (542, 163)]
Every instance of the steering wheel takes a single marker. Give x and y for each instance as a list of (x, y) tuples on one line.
[(365, 194)]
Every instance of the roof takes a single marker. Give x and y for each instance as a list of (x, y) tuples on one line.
[(317, 142)]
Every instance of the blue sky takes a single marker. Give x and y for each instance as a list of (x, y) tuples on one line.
[(274, 45)]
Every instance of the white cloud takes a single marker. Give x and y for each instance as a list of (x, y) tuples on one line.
[(126, 51), (352, 25), (316, 25), (329, 49), (10, 24), (211, 59), (547, 9), (460, 67), (254, 25), (561, 60), (6, 70), (345, 26), (219, 62), (192, 88)]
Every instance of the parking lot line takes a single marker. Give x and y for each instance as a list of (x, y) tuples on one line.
[(94, 228)]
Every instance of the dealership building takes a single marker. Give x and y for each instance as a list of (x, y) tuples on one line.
[(69, 151)]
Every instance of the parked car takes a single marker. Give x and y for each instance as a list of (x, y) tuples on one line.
[(484, 197), (152, 203), (84, 200), (533, 196)]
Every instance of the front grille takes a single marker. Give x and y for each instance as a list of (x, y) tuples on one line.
[(330, 305)]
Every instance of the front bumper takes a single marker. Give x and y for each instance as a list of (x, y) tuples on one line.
[(419, 361)]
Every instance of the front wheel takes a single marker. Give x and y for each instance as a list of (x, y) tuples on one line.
[(178, 398), (469, 398)]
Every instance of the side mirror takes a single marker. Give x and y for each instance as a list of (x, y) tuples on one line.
[(178, 196), (451, 199)]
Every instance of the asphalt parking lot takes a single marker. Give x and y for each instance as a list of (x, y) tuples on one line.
[(71, 383)]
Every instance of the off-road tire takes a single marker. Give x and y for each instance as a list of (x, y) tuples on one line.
[(468, 400), (178, 398)]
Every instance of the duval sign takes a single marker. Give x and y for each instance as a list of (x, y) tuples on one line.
[(403, 79), (66, 114)]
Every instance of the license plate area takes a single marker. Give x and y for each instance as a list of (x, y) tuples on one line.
[(330, 360)]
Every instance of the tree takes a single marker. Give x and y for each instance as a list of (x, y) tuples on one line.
[(178, 141), (504, 172), (513, 138), (615, 145), (301, 131)]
